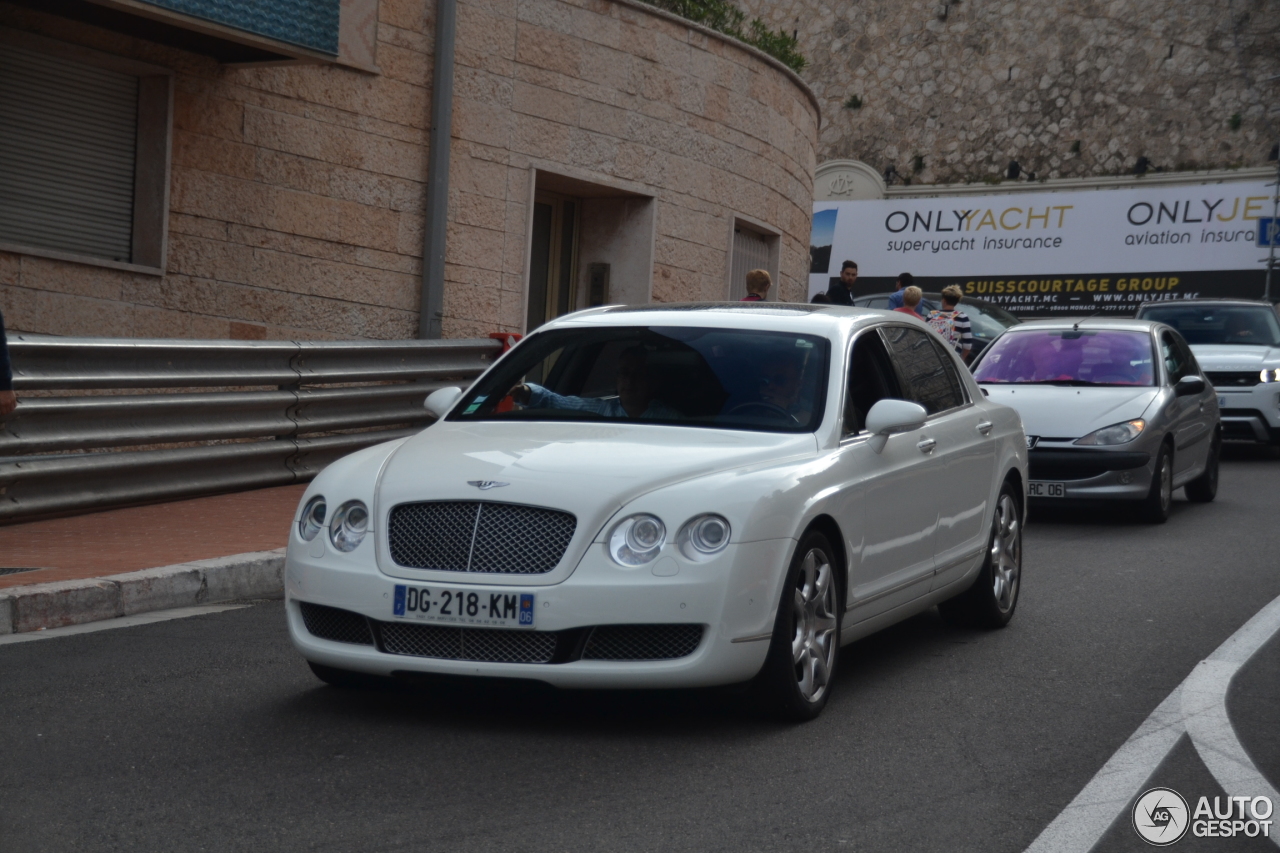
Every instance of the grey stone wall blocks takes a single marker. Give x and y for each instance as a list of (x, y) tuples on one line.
[(55, 605)]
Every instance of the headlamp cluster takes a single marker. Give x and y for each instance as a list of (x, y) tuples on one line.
[(638, 539), (347, 528)]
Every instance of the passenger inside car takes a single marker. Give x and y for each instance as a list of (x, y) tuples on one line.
[(635, 397)]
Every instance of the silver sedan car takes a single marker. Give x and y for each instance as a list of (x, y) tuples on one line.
[(1114, 410)]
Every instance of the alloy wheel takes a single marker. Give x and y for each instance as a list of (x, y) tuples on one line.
[(813, 647), (1006, 554)]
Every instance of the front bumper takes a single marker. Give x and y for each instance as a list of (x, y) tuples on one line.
[(1251, 414), (733, 598), (1093, 474)]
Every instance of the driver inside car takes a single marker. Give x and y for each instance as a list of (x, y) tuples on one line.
[(781, 386), (635, 393)]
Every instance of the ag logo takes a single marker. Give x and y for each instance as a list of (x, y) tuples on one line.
[(1160, 816)]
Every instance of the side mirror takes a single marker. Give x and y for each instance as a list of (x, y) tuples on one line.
[(1188, 385), (441, 401), (889, 416)]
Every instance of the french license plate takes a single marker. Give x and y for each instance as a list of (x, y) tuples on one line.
[(1046, 490), (452, 606)]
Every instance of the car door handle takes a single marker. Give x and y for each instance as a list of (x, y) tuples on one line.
[(985, 427), (927, 445)]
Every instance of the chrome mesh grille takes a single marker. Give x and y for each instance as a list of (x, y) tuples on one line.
[(642, 642), (479, 536), (331, 623), (477, 644)]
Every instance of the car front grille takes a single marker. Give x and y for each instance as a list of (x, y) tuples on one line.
[(479, 536), (477, 644), (496, 645), (332, 623), (641, 642), (1234, 378)]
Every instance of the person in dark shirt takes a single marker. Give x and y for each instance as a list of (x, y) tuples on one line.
[(841, 292), (8, 402), (895, 299)]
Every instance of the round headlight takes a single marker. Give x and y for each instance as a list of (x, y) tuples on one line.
[(704, 536), (637, 540), (312, 521), (349, 525)]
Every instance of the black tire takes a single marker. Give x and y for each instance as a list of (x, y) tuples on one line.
[(795, 681), (1155, 507), (1204, 488), (347, 680), (991, 600)]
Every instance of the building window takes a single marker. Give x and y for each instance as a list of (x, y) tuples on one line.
[(84, 153)]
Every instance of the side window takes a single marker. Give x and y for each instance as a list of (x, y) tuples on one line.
[(925, 378), (1175, 364), (871, 379), (1192, 367), (949, 368)]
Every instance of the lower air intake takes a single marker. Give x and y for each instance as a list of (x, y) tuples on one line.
[(478, 644), (331, 623), (642, 642)]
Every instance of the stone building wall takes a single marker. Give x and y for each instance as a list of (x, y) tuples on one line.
[(297, 192), (968, 85)]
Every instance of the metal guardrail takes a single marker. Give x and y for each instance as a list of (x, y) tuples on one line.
[(195, 418)]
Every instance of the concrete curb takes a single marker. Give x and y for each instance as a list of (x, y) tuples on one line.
[(54, 605)]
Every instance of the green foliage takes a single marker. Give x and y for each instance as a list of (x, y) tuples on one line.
[(853, 102), (917, 164), (1235, 121), (1075, 147), (723, 16)]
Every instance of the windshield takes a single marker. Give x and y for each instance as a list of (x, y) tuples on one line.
[(1246, 325), (987, 321), (723, 378), (1068, 357)]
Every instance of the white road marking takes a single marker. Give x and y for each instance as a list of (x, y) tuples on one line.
[(1197, 707), (122, 622)]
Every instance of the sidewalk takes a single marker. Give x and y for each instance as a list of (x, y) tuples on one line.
[(125, 561)]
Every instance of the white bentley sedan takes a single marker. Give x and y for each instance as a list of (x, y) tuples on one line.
[(669, 496)]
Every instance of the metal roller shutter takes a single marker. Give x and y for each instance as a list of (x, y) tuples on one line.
[(750, 252), (68, 141)]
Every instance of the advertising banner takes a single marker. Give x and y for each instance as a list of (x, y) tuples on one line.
[(1050, 253)]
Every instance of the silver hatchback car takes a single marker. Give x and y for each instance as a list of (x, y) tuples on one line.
[(1114, 410)]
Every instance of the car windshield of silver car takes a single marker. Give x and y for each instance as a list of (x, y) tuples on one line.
[(702, 377), (1069, 357), (1245, 325)]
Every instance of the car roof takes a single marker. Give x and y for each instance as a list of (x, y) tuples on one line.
[(1206, 300), (828, 320), (1123, 324)]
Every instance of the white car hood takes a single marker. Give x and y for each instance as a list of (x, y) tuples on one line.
[(1063, 412), (589, 469), (1234, 357)]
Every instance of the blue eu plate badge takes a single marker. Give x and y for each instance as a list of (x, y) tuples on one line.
[(526, 609), (398, 605)]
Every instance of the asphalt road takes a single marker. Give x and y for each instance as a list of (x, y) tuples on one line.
[(209, 733)]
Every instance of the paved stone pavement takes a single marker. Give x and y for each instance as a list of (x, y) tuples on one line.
[(124, 540)]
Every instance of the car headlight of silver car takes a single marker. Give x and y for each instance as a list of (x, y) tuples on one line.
[(349, 525), (636, 540), (1114, 434), (1270, 375), (312, 521), (703, 537)]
